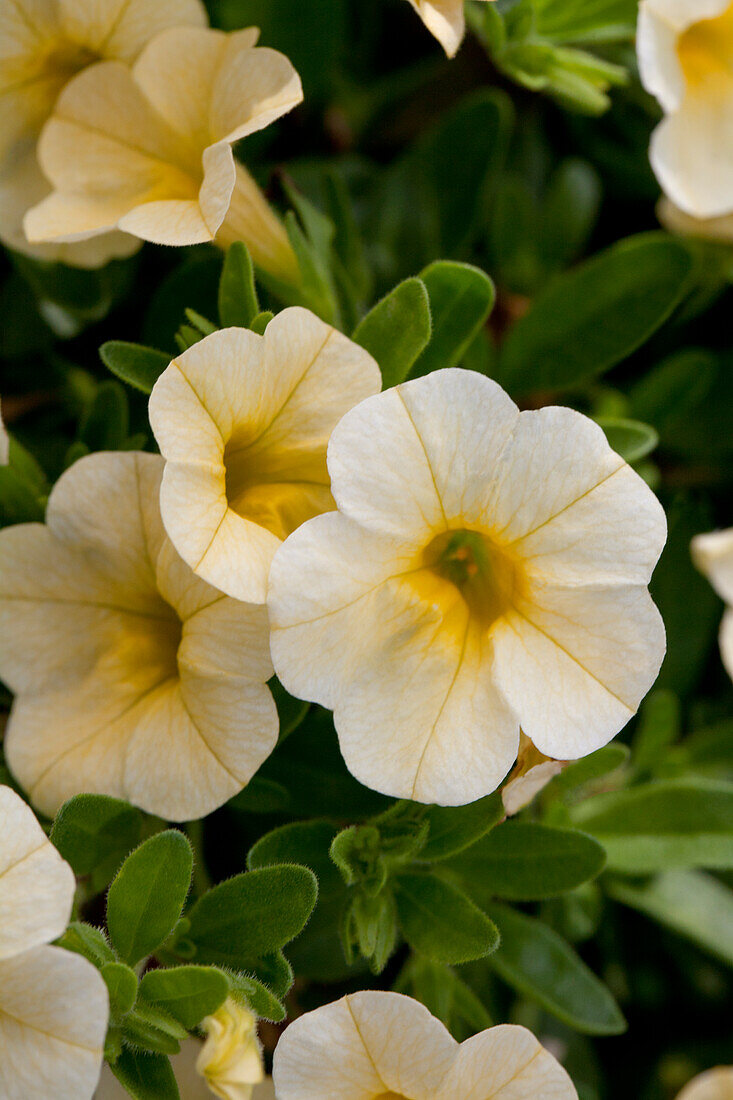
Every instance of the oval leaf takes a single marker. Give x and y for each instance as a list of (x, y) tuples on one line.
[(397, 330), (461, 299), (439, 921), (95, 833), (188, 993), (453, 828), (135, 364)]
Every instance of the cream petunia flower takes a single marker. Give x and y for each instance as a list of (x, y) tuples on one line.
[(383, 1046), (230, 1060), (685, 50), (713, 556), (486, 568), (53, 1005), (191, 1085), (43, 44), (149, 150), (445, 19), (132, 677), (244, 421), (709, 229), (715, 1084)]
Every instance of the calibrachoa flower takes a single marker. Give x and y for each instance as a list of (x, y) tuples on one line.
[(53, 1004), (42, 46), (191, 1085), (374, 1046), (132, 677), (244, 421), (445, 19), (149, 150), (486, 568), (713, 556), (230, 1060), (531, 774), (715, 1084), (685, 50)]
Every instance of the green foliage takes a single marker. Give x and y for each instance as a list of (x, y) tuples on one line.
[(662, 825), (397, 330), (146, 1076), (251, 916), (439, 921), (94, 833), (589, 319), (453, 828), (540, 964), (147, 896), (238, 302), (460, 299), (526, 861), (137, 365), (188, 993)]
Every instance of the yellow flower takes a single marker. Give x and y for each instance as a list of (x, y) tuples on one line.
[(715, 1084), (486, 568), (43, 44), (383, 1046), (713, 556), (685, 50), (445, 19), (149, 150), (132, 677), (53, 1005), (244, 421), (230, 1060)]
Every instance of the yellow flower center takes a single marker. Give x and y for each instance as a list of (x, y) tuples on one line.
[(705, 50), (485, 575)]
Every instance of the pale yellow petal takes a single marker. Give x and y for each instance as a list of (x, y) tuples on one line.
[(713, 555), (519, 792), (4, 443), (36, 885), (444, 19), (53, 1021), (506, 1063), (576, 663), (692, 154), (120, 28), (676, 221), (367, 1045), (715, 1084), (726, 641), (252, 89)]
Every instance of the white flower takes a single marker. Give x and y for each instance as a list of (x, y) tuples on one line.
[(532, 772), (53, 1004), (715, 1084), (191, 1085), (713, 556), (149, 150), (685, 50), (230, 1060), (445, 19), (375, 1046), (132, 677), (486, 568), (244, 421), (43, 44), (710, 229)]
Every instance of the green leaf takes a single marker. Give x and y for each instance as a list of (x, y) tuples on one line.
[(593, 317), (121, 984), (316, 278), (691, 903), (188, 993), (94, 833), (261, 321), (252, 915), (91, 943), (453, 828), (569, 213), (147, 897), (258, 997), (663, 825), (524, 861), (397, 330), (261, 796), (541, 965), (146, 1076), (106, 422), (153, 1028), (439, 921), (135, 364), (658, 728), (629, 438), (461, 298), (23, 487), (238, 303), (275, 972), (589, 768)]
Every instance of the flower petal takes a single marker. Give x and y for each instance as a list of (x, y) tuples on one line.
[(253, 88), (420, 458), (53, 1021), (715, 1084), (506, 1063), (687, 143), (361, 1047), (713, 555), (576, 662), (120, 28), (36, 885), (726, 641), (444, 19)]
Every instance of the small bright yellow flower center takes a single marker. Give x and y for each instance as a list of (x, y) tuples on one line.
[(705, 50), (485, 575)]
